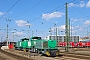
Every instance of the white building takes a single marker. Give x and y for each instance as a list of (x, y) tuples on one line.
[(62, 38)]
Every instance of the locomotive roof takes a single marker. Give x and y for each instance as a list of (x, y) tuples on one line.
[(35, 38), (25, 39)]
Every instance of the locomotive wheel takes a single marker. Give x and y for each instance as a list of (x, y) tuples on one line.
[(47, 53), (24, 50)]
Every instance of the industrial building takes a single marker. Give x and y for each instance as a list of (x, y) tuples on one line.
[(62, 38)]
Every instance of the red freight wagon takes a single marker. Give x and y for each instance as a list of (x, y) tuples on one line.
[(87, 44), (64, 44), (72, 44), (79, 44), (60, 44)]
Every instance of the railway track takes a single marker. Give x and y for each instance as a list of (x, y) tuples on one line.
[(56, 58), (77, 55), (6, 57), (17, 57), (63, 55)]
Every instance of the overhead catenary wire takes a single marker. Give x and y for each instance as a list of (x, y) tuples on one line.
[(48, 11), (31, 7), (81, 12), (87, 16), (59, 7), (36, 18), (1, 2), (9, 9), (55, 9)]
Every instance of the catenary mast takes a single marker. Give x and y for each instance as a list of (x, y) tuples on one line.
[(67, 29)]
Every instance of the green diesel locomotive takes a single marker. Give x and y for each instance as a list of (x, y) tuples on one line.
[(37, 45)]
